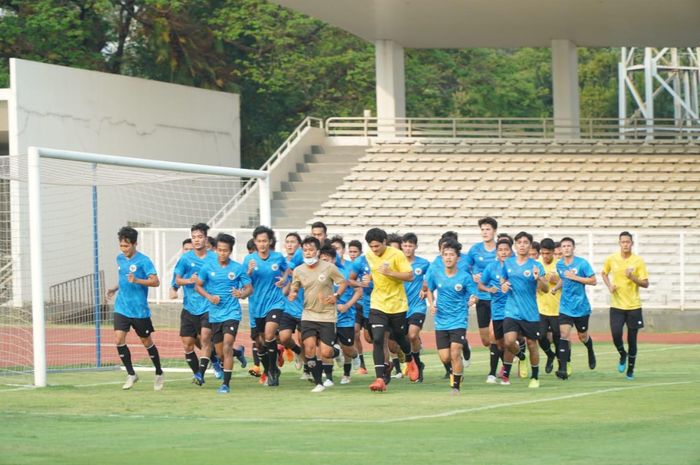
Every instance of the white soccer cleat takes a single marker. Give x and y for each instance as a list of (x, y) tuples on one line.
[(158, 383), (306, 377), (298, 362), (318, 388), (345, 380), (130, 381), (398, 375), (328, 383), (490, 379)]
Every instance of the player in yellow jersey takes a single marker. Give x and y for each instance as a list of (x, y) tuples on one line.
[(548, 304), (629, 273)]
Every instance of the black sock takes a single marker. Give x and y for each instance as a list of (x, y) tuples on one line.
[(271, 355), (521, 353), (589, 344), (546, 347), (630, 364), (213, 358), (456, 380), (155, 358), (362, 361), (493, 350), (192, 361), (227, 377), (535, 371), (506, 369), (203, 365), (237, 352), (632, 345), (328, 370), (315, 368), (125, 356), (563, 354), (346, 369), (466, 350), (306, 368), (448, 367), (416, 357), (396, 364), (296, 349), (256, 357)]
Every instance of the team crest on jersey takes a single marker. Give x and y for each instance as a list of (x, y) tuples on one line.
[(322, 277), (366, 268), (458, 287), (574, 270), (132, 268), (419, 271), (481, 259), (527, 273), (192, 265), (275, 267), (212, 273), (231, 275)]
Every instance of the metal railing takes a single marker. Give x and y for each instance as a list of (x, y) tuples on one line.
[(73, 301), (515, 128)]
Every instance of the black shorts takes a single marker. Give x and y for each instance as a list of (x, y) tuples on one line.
[(225, 327), (498, 329), (549, 323), (324, 331), (632, 318), (483, 313), (273, 316), (346, 336), (444, 338), (394, 323), (142, 326), (581, 322), (191, 325), (417, 319), (288, 322), (529, 329)]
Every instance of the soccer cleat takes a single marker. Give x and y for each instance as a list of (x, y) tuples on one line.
[(591, 360), (255, 371), (198, 379), (280, 355), (378, 385), (356, 363), (263, 379), (298, 362), (622, 364), (491, 379), (505, 381), (501, 373), (550, 363), (223, 389), (412, 370), (340, 359), (455, 391), (130, 381), (522, 368), (218, 371), (534, 383), (563, 375), (306, 377), (421, 367), (318, 388), (328, 383), (362, 371), (345, 380), (158, 383), (398, 375), (241, 358), (630, 376), (289, 355), (273, 378)]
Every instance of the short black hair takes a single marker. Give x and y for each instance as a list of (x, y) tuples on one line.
[(505, 240), (294, 234), (311, 240), (320, 224), (523, 234), (505, 236), (547, 244), (393, 237), (626, 233), (263, 230), (339, 240), (355, 243), (410, 237), (250, 246), (535, 245), (187, 241), (226, 239), (452, 244), (212, 241), (450, 234), (129, 234), (490, 221), (568, 239), (557, 245), (375, 234), (200, 227), (329, 251)]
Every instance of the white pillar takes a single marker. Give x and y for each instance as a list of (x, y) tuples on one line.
[(391, 88), (565, 91)]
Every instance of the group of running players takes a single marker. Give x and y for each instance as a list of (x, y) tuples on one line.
[(316, 302)]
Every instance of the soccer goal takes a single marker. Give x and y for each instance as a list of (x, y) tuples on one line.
[(59, 216)]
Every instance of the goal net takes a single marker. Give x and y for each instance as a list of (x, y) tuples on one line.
[(68, 262)]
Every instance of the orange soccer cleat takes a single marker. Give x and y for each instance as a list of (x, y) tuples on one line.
[(289, 355), (413, 372), (378, 385)]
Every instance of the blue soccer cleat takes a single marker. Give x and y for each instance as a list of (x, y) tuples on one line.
[(198, 379), (218, 371), (241, 358), (223, 389)]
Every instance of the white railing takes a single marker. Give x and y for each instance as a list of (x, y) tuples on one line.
[(514, 128)]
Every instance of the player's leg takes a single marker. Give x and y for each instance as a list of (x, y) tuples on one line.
[(271, 326), (207, 349), (564, 351), (144, 328), (415, 325), (226, 354), (585, 338), (532, 334), (189, 337), (309, 337), (378, 322), (495, 350), (545, 344), (617, 324), (510, 346), (346, 338), (122, 326), (483, 319), (456, 347)]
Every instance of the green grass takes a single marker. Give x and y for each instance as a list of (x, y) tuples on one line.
[(596, 417)]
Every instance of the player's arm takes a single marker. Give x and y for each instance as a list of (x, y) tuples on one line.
[(111, 291), (606, 280), (151, 281), (214, 299), (338, 280), (294, 287), (644, 282), (243, 292), (585, 280), (180, 281)]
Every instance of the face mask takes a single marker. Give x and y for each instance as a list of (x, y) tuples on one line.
[(310, 261)]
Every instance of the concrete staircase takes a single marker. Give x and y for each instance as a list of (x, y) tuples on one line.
[(311, 184)]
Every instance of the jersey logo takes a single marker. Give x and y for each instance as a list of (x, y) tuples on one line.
[(231, 275), (213, 273), (527, 273), (458, 287), (509, 271), (574, 270), (498, 276), (192, 264), (481, 259), (132, 268), (322, 277), (419, 271), (275, 267)]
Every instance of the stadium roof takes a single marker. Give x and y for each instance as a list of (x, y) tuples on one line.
[(512, 23)]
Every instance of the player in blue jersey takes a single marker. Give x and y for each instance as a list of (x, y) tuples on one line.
[(360, 277), (575, 274), (291, 317), (522, 277), (186, 247), (354, 253), (480, 255), (268, 272), (136, 275), (490, 281), (194, 320), (417, 305), (222, 282), (455, 292)]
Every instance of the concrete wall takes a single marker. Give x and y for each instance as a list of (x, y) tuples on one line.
[(59, 107)]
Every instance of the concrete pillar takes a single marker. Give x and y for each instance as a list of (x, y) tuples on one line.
[(565, 90), (391, 88)]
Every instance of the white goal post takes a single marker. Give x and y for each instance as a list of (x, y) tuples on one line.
[(34, 156)]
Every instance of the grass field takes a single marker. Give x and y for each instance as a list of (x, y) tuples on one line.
[(596, 417)]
